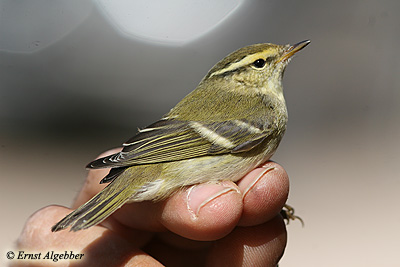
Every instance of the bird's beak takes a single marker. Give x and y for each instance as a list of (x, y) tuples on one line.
[(293, 49)]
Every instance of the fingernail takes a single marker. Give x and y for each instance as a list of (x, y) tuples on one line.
[(255, 181), (199, 195)]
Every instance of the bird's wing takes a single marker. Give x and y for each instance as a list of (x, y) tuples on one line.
[(173, 140)]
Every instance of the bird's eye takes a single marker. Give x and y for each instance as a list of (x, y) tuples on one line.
[(259, 63)]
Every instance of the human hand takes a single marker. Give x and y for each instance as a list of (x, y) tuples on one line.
[(223, 224)]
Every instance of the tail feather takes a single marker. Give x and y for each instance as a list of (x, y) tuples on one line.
[(96, 209)]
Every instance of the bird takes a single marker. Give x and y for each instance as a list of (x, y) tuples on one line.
[(231, 123)]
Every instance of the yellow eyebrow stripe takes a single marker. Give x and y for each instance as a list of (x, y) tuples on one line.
[(247, 60)]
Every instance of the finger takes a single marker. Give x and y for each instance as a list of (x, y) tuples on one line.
[(265, 191), (98, 245), (174, 250), (210, 211), (261, 245), (204, 212), (200, 212)]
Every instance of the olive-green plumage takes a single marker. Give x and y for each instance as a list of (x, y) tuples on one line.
[(231, 123)]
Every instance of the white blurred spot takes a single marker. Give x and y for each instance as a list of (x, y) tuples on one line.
[(173, 21)]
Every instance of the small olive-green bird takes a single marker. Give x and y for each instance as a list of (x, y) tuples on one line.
[(231, 123)]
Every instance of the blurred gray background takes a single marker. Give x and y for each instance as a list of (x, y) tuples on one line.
[(79, 77)]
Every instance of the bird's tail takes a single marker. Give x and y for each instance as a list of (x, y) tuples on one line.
[(98, 208)]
